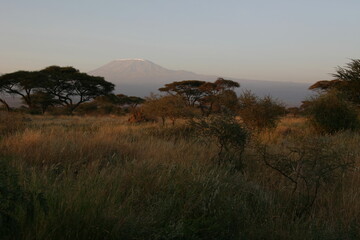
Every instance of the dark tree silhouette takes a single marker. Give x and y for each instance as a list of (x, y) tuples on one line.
[(206, 95), (43, 100), (71, 87), (188, 89), (23, 84), (346, 81), (131, 101), (218, 96), (2, 100)]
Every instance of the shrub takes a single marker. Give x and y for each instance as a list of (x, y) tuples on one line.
[(229, 136), (310, 165), (330, 113), (171, 107), (259, 113)]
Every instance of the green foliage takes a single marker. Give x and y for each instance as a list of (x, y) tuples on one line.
[(259, 113), (229, 136), (330, 113)]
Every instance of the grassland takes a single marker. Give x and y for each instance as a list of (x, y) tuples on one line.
[(103, 178)]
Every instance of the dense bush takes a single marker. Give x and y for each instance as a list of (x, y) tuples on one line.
[(229, 136), (330, 113), (259, 113), (167, 107)]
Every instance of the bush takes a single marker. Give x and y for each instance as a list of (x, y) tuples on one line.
[(311, 165), (171, 107), (260, 113), (330, 113), (229, 136)]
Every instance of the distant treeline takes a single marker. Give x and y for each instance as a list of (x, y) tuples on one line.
[(63, 90)]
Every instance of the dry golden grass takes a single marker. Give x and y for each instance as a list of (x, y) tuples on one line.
[(104, 178)]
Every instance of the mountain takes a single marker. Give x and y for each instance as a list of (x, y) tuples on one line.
[(140, 71), (139, 77)]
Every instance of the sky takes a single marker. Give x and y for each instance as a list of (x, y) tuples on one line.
[(278, 40)]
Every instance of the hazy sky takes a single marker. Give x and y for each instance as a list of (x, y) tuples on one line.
[(285, 40)]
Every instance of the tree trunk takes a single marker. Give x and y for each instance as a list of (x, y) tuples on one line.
[(8, 108)]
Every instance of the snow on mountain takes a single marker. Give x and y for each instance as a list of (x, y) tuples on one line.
[(139, 71), (139, 77)]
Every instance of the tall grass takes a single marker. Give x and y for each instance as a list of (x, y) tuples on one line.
[(102, 178)]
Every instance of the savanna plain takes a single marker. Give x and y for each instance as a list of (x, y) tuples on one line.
[(72, 177)]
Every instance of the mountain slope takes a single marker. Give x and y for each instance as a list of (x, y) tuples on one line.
[(138, 71), (139, 77)]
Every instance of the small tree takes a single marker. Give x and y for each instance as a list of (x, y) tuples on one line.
[(329, 113), (259, 113)]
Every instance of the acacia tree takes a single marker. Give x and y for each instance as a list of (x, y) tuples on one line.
[(206, 95), (218, 95), (71, 87), (21, 83), (131, 101), (346, 81), (225, 85), (188, 89)]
